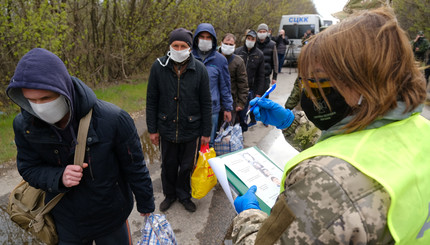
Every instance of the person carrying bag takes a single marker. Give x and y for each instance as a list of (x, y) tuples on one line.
[(26, 205)]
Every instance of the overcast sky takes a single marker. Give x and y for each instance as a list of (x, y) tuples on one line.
[(328, 7)]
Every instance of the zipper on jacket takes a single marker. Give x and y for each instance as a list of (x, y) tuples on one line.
[(89, 163), (177, 104)]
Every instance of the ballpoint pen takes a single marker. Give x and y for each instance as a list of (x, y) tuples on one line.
[(264, 96)]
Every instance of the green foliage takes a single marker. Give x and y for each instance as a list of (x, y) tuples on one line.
[(8, 148), (107, 41), (413, 16)]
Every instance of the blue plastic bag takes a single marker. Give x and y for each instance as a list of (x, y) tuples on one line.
[(157, 231)]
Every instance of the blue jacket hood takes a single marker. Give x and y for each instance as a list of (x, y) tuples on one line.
[(41, 69), (201, 28)]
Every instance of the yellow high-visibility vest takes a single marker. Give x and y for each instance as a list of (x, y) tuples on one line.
[(396, 155)]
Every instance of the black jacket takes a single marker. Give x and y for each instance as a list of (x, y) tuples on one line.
[(179, 107), (281, 43), (103, 200), (268, 47), (254, 62)]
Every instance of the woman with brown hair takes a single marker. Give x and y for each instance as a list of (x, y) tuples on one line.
[(366, 180)]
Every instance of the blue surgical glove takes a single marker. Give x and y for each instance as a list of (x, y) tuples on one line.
[(247, 200), (269, 112)]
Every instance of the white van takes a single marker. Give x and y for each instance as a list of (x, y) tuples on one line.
[(295, 27)]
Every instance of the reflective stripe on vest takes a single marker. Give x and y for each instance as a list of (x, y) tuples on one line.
[(396, 155)]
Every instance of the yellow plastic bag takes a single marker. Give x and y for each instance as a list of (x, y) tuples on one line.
[(203, 178)]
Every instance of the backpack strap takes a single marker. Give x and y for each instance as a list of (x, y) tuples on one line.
[(84, 124)]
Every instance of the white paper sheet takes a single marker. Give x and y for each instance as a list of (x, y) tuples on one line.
[(218, 167), (253, 168)]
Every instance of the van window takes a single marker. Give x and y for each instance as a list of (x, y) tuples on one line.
[(297, 31)]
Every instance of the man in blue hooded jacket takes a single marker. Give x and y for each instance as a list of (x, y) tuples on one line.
[(204, 49), (98, 196)]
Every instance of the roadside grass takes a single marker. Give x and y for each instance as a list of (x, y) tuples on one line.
[(129, 96), (7, 143)]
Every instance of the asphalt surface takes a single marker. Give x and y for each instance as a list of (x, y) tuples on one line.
[(214, 212)]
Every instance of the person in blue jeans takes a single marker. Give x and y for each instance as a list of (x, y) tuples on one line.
[(204, 49)]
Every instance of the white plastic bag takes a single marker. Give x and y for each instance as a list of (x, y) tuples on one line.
[(157, 231), (229, 139)]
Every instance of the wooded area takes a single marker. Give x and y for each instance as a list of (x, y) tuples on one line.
[(108, 41)]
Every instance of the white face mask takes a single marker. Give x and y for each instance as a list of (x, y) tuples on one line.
[(262, 35), (205, 45), (53, 111), (249, 44), (227, 49), (179, 56)]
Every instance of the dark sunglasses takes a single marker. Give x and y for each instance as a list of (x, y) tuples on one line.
[(324, 83)]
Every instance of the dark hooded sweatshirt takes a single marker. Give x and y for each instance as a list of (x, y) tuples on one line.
[(103, 200)]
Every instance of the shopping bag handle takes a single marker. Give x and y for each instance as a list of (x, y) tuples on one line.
[(204, 148), (150, 219)]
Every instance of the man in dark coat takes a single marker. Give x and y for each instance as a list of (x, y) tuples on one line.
[(178, 115), (238, 76), (268, 47), (281, 46), (420, 45), (254, 61), (98, 196)]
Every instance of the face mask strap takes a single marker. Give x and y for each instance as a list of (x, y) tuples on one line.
[(167, 61)]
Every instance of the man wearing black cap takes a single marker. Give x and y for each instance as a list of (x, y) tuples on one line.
[(254, 60), (178, 115)]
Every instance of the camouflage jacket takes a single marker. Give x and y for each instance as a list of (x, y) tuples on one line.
[(302, 133), (333, 203)]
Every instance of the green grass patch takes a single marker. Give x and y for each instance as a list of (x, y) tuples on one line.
[(129, 96), (7, 143)]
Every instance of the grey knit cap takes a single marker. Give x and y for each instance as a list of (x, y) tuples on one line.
[(263, 26)]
